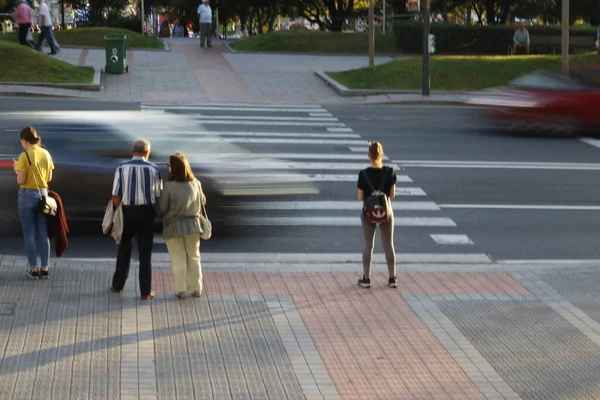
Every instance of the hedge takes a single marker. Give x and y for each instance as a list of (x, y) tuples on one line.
[(472, 39)]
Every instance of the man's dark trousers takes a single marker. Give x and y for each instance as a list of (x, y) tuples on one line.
[(138, 223), (23, 29)]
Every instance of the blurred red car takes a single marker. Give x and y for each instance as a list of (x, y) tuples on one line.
[(546, 102)]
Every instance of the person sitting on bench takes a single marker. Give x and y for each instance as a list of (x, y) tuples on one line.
[(521, 38)]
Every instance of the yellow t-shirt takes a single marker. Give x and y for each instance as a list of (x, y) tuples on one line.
[(41, 165)]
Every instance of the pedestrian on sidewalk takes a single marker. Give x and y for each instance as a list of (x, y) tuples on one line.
[(377, 211), (137, 187), (34, 172), (46, 22), (182, 204), (205, 15), (22, 15)]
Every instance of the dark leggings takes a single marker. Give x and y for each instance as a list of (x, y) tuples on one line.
[(387, 240)]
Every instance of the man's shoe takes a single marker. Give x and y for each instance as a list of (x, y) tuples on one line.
[(148, 296), (392, 282), (112, 289)]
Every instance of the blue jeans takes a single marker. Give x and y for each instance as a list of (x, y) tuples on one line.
[(35, 227)]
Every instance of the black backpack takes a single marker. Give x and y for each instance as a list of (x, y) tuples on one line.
[(376, 207)]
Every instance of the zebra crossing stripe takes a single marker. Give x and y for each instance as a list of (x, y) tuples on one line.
[(332, 205), (324, 221), (225, 178)]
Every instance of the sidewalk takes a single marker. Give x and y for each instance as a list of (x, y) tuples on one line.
[(189, 73), (265, 332)]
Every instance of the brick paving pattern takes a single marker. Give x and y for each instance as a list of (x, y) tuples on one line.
[(301, 335)]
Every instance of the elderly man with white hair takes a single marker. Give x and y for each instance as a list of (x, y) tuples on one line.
[(137, 187), (205, 15)]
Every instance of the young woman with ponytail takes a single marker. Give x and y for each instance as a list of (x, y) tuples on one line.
[(377, 177)]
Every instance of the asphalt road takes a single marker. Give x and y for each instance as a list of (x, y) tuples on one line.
[(440, 206)]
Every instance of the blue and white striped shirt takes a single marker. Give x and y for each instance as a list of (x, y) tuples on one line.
[(137, 182)]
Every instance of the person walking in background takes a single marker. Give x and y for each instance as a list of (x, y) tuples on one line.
[(22, 15), (181, 204), (34, 172), (205, 15), (137, 187), (377, 210), (521, 39), (46, 27)]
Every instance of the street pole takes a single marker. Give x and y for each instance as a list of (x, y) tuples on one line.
[(371, 34), (426, 27), (383, 17), (564, 54), (62, 13), (143, 17)]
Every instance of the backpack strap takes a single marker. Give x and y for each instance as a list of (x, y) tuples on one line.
[(385, 175), (364, 172)]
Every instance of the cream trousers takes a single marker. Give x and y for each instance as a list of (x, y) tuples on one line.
[(184, 253)]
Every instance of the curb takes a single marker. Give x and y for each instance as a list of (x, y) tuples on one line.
[(94, 86), (287, 53), (165, 48), (345, 92)]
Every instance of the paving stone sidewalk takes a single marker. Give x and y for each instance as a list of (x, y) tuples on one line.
[(189, 73), (268, 334)]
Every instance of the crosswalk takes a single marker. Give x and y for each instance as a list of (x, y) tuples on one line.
[(306, 142)]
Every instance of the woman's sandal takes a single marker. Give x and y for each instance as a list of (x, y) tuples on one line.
[(197, 293), (181, 295)]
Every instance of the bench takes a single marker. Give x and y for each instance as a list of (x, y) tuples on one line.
[(543, 44)]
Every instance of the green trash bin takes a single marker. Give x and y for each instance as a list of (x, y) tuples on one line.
[(116, 53)]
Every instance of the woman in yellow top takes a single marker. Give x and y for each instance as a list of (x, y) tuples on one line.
[(34, 171)]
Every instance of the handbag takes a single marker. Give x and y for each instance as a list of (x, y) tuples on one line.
[(205, 224), (47, 204)]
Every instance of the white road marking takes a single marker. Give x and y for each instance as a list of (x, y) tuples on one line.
[(331, 258), (591, 142), (333, 205), (335, 221), (403, 191), (298, 156), (451, 239), (266, 140), (199, 117), (340, 129), (237, 108), (360, 149), (225, 178), (549, 262), (499, 165), (273, 123), (554, 207), (288, 165), (268, 134), (240, 104), (320, 114)]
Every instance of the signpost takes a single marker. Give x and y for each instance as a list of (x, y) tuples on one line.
[(371, 34), (564, 54), (426, 27), (143, 33)]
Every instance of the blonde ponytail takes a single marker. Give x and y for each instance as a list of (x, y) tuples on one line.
[(376, 154)]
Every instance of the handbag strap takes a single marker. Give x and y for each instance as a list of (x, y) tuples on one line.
[(201, 194), (34, 177)]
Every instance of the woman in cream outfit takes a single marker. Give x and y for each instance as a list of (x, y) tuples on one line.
[(181, 204)]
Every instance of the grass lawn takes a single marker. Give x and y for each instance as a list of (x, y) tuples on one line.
[(305, 41), (22, 64), (94, 37), (453, 72)]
